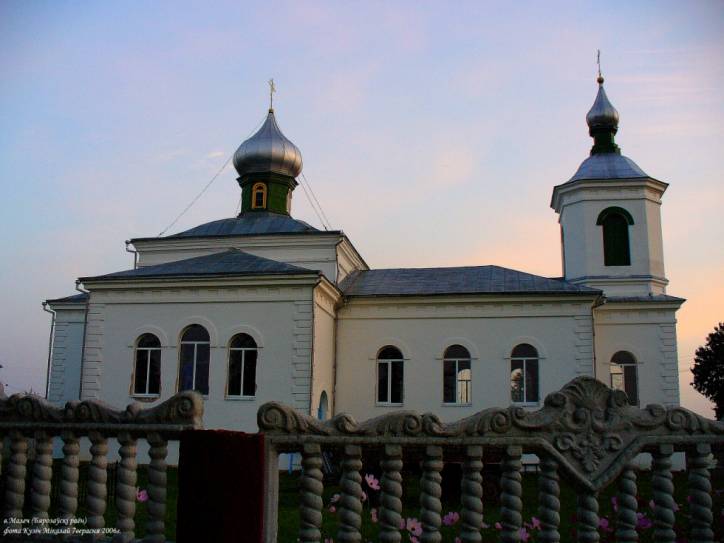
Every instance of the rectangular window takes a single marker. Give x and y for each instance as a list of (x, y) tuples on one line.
[(630, 380), (517, 383), (186, 378), (396, 382), (141, 371), (383, 381), (154, 373), (235, 365), (249, 388), (464, 382), (449, 371), (201, 378)]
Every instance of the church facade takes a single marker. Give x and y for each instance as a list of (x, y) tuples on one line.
[(264, 307)]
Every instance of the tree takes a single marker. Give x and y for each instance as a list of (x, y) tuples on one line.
[(708, 369)]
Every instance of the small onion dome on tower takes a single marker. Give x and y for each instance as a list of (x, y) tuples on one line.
[(268, 151), (602, 121)]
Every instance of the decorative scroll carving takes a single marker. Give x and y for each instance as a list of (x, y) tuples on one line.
[(185, 408), (511, 496), (662, 486), (42, 475), (97, 478), (472, 495), (548, 500), (126, 488), (350, 504), (700, 492), (68, 498), (390, 498), (156, 524), (430, 493), (587, 517), (627, 505), (15, 478), (590, 429), (311, 488)]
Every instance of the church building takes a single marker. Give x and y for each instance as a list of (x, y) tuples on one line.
[(263, 307)]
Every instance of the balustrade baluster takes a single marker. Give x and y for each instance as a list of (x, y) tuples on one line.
[(549, 504), (68, 497), (97, 478), (126, 488), (587, 517), (430, 493), (42, 476), (511, 502), (350, 503), (390, 498), (472, 495), (700, 491), (311, 494), (15, 478), (156, 506), (626, 518), (663, 489)]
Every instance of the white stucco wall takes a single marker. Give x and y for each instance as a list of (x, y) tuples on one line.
[(67, 348), (648, 331), (325, 299), (561, 331)]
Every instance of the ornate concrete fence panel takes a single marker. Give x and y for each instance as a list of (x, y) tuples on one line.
[(587, 433), (30, 420)]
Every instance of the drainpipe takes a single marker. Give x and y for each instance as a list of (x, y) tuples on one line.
[(50, 348), (85, 331), (135, 253)]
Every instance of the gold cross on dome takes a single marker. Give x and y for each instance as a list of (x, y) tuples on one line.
[(272, 90)]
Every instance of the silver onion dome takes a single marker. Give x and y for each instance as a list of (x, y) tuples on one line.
[(602, 113), (268, 151)]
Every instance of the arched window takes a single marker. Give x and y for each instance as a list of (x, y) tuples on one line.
[(390, 376), (456, 386), (258, 196), (242, 366), (615, 222), (524, 374), (147, 369), (194, 358), (624, 375)]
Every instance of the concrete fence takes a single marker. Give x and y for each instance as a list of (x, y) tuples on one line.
[(29, 422), (587, 434)]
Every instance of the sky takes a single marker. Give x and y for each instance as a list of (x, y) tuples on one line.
[(432, 133)]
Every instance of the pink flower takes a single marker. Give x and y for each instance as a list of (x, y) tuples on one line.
[(373, 516), (614, 503), (402, 524), (498, 526), (535, 523), (413, 526), (458, 540), (413, 539), (328, 540), (373, 483), (332, 509), (651, 504), (643, 522), (524, 535), (604, 524), (142, 495), (451, 518)]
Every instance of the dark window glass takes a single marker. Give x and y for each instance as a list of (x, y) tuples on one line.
[(148, 340), (397, 381), (141, 373), (456, 351), (449, 379), (187, 366), (202, 368), (195, 332), (524, 351), (517, 382), (382, 381), (615, 241), (531, 380), (390, 353), (464, 381), (249, 373), (631, 384), (154, 378), (235, 373), (624, 375), (242, 341), (623, 357)]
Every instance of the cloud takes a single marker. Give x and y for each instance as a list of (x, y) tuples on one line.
[(215, 154)]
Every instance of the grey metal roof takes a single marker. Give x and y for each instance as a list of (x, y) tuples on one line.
[(231, 262), (463, 280), (602, 112), (608, 166), (73, 299), (663, 298), (252, 223), (268, 151)]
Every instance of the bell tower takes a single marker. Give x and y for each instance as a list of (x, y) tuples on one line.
[(610, 215)]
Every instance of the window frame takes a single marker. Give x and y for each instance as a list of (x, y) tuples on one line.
[(456, 361), (634, 363), (525, 360), (147, 351), (196, 344), (388, 363), (256, 188), (243, 351), (614, 256)]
